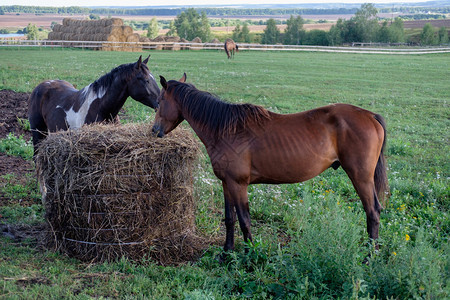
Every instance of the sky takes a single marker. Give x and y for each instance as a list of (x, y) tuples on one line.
[(59, 3)]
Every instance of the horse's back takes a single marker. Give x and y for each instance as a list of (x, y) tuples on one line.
[(49, 88), (297, 147), (44, 100)]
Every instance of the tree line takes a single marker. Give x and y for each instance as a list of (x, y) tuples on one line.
[(211, 11), (363, 27)]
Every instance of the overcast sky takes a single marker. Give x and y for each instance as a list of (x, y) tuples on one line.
[(179, 2)]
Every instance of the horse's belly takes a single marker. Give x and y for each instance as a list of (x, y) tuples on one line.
[(289, 162), (281, 171)]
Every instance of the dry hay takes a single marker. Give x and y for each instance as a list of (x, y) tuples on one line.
[(108, 30), (116, 190)]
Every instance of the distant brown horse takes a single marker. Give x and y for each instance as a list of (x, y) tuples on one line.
[(230, 46), (248, 144), (57, 105)]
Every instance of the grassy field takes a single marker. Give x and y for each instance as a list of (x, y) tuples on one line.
[(310, 238)]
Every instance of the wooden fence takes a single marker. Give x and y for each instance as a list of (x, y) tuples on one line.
[(219, 46)]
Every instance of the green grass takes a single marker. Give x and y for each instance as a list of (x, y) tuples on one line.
[(18, 146), (310, 238)]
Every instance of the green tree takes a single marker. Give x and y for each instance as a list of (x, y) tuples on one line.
[(316, 37), (153, 29), (32, 32), (236, 33), (271, 33), (172, 29), (190, 24), (294, 32), (443, 36), (366, 22), (337, 33), (397, 31), (205, 29), (427, 37), (383, 32), (245, 33)]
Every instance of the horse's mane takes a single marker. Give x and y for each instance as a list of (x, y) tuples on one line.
[(105, 81), (221, 117)]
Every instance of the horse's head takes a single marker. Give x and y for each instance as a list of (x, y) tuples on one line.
[(143, 86), (168, 115)]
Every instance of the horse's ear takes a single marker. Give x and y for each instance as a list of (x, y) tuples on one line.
[(163, 81), (139, 62), (183, 79), (146, 60)]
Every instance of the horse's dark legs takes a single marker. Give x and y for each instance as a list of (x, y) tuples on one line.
[(38, 130), (230, 218), (236, 198), (369, 199)]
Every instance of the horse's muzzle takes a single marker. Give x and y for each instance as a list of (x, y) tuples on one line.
[(158, 130)]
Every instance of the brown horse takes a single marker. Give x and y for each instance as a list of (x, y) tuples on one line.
[(248, 144), (230, 46), (57, 105)]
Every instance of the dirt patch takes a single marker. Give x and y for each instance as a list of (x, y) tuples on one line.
[(13, 108)]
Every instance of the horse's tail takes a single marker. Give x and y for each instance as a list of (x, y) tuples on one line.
[(237, 48), (380, 177)]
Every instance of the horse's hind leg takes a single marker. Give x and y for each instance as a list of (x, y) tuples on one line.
[(365, 188), (38, 130)]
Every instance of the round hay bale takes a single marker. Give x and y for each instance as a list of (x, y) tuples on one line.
[(52, 35), (159, 39), (144, 39), (197, 40), (127, 30), (66, 21), (114, 21), (172, 39), (117, 190), (116, 30), (133, 38), (57, 27)]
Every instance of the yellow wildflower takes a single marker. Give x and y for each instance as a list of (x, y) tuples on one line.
[(394, 253), (407, 237)]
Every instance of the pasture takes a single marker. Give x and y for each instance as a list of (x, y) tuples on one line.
[(310, 238)]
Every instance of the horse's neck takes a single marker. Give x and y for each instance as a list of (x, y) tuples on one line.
[(207, 136), (114, 99)]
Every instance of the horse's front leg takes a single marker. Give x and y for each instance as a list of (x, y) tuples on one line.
[(236, 201)]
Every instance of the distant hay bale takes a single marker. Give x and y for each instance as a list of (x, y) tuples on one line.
[(197, 40), (114, 21), (159, 39), (172, 39), (116, 190), (114, 30), (133, 38), (111, 30), (57, 28), (127, 30)]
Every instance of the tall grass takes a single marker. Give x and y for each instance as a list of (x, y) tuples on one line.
[(310, 238)]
